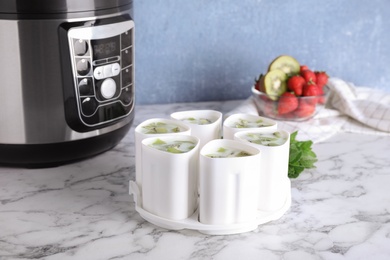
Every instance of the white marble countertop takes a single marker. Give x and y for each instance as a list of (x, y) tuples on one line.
[(340, 210)]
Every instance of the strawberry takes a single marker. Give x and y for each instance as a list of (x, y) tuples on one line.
[(296, 83), (322, 78), (288, 102), (321, 93), (305, 109), (287, 116), (309, 75), (309, 90), (303, 68), (258, 82)]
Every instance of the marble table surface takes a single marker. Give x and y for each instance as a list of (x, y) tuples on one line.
[(340, 210)]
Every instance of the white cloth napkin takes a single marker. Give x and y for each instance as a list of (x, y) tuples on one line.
[(348, 109)]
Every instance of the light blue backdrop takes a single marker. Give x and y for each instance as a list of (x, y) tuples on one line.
[(202, 50)]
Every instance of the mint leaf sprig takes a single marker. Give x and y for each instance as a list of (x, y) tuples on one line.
[(301, 156)]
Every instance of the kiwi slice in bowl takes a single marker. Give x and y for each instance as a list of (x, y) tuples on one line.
[(274, 83), (285, 63)]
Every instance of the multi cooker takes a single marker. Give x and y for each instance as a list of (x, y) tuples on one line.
[(66, 79)]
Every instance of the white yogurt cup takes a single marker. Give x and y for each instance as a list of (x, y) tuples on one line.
[(169, 180), (274, 180), (141, 133), (204, 124), (228, 185)]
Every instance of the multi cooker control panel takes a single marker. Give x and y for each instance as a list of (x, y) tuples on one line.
[(102, 60)]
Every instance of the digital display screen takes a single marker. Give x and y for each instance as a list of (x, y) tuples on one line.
[(105, 48)]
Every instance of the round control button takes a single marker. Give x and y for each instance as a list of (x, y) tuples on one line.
[(83, 67), (98, 73), (108, 88), (80, 47)]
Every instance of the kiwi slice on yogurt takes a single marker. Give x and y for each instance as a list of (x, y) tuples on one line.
[(176, 146), (285, 63), (160, 128)]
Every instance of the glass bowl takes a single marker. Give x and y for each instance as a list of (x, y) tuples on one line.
[(308, 106)]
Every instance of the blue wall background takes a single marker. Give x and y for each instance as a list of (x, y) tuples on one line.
[(203, 50)]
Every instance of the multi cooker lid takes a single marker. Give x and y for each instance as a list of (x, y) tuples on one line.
[(58, 6)]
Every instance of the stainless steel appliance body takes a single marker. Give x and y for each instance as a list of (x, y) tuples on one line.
[(66, 79)]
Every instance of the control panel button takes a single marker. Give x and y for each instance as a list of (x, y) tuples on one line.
[(126, 77), (98, 73), (108, 88), (126, 58), (126, 39), (112, 111), (126, 96), (85, 87), (83, 67), (107, 71), (88, 106), (112, 59), (80, 47), (115, 69), (99, 62)]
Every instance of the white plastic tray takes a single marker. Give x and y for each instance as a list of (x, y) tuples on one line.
[(194, 224)]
